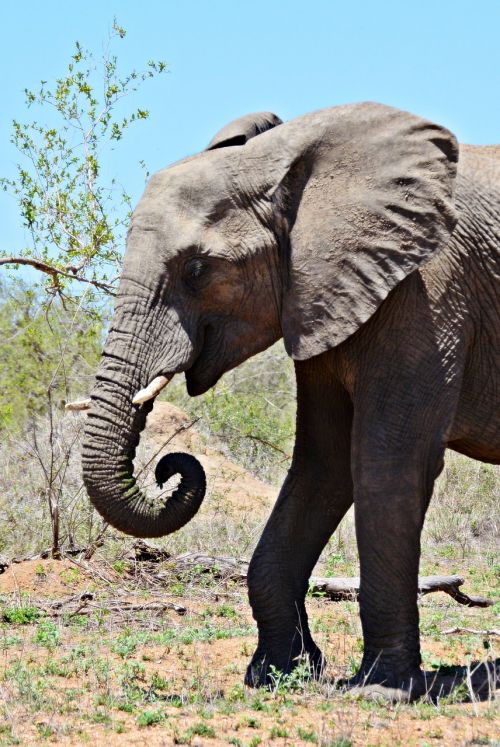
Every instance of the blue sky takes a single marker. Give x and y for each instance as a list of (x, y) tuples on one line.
[(436, 58)]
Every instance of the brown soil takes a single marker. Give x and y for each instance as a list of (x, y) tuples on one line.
[(46, 578)]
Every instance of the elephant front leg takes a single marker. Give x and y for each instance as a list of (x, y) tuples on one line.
[(314, 498), (279, 573)]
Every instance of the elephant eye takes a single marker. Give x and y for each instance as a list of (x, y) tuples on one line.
[(195, 271)]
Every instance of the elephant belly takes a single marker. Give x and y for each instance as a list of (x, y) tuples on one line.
[(476, 430), (475, 449)]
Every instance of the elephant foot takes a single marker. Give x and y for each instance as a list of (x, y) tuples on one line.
[(384, 679), (268, 670)]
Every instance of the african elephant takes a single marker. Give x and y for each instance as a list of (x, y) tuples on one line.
[(369, 241)]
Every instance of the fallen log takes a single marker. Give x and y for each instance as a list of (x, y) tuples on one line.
[(472, 631), (450, 585), (338, 589), (335, 589)]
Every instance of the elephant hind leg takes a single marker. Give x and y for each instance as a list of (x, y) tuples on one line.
[(392, 490), (315, 496)]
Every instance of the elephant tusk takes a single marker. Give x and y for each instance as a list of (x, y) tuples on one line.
[(154, 388), (79, 404)]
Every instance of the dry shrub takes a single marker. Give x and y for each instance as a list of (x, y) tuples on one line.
[(41, 484), (464, 511)]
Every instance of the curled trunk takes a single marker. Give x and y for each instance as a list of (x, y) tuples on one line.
[(112, 434)]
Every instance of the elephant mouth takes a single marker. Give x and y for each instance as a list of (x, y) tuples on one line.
[(202, 375), (199, 380)]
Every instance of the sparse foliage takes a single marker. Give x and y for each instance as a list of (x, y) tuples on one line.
[(43, 503), (75, 216), (42, 348)]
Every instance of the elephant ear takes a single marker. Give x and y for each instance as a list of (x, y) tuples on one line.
[(239, 131), (373, 191)]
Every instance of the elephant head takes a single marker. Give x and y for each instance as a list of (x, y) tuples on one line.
[(298, 230)]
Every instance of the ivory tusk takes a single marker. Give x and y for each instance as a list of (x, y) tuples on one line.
[(154, 388), (79, 404)]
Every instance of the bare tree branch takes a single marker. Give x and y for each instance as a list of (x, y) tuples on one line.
[(55, 272)]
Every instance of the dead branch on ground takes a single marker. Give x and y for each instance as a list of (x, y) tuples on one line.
[(472, 631), (86, 603)]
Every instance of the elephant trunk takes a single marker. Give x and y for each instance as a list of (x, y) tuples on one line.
[(111, 437)]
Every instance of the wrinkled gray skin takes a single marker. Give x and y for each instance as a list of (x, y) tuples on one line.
[(338, 231)]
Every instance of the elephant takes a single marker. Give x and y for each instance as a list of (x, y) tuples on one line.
[(368, 240)]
